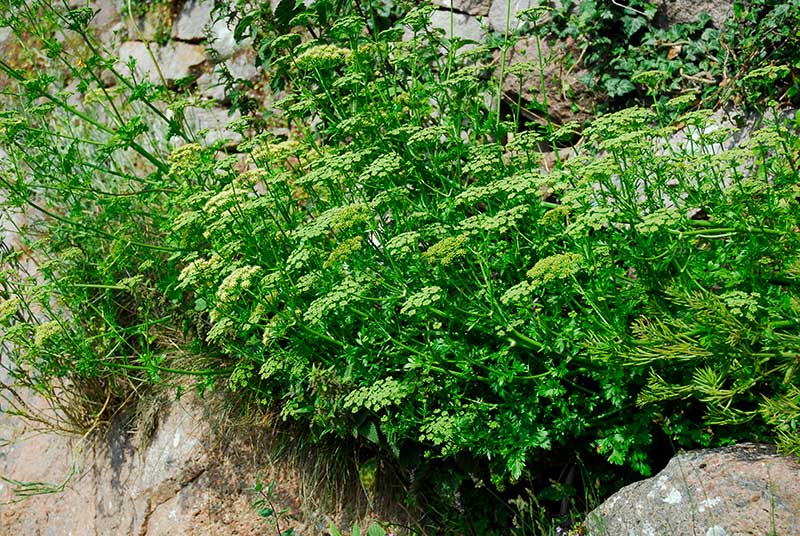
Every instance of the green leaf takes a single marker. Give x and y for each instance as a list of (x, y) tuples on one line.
[(375, 530), (372, 433), (286, 11), (617, 87)]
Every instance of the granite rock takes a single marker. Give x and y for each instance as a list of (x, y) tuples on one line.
[(174, 61), (742, 490)]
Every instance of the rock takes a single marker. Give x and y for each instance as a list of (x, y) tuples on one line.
[(463, 26), (681, 11), (192, 477), (470, 7), (175, 60), (107, 18), (742, 490), (213, 122), (175, 485), (568, 98), (211, 86), (241, 67), (194, 17), (154, 25), (498, 13), (195, 23)]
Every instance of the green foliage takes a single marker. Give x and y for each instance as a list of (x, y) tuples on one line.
[(265, 504), (621, 40), (373, 530)]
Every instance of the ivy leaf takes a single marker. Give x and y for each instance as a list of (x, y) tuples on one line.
[(617, 87), (633, 24)]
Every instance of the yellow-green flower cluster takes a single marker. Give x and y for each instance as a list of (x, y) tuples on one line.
[(131, 283), (199, 270), (519, 293), (184, 159), (342, 294), (404, 243), (45, 331), (388, 196), (593, 219), (97, 94), (425, 297), (272, 331), (343, 251), (554, 216), (349, 80), (519, 185), (429, 136), (276, 153), (9, 308), (524, 141), (500, 222), (559, 266), (309, 281), (444, 428), (300, 256), (658, 219), (742, 304), (335, 219), (223, 200), (383, 393), (384, 167), (323, 57), (237, 281), (446, 250), (681, 102), (10, 126), (616, 124), (484, 160)]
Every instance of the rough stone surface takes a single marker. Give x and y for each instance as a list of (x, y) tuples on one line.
[(498, 14), (195, 20), (678, 11), (154, 25), (210, 86), (213, 122), (185, 480), (742, 490), (568, 99), (194, 17), (463, 26), (176, 485), (175, 60), (107, 18), (241, 66), (471, 7)]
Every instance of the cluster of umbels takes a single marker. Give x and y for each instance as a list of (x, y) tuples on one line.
[(388, 225), (425, 297), (378, 395)]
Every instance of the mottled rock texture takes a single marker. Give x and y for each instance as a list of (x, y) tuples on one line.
[(743, 490), (195, 23), (538, 72), (458, 25), (677, 11), (183, 481), (473, 7), (173, 61)]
